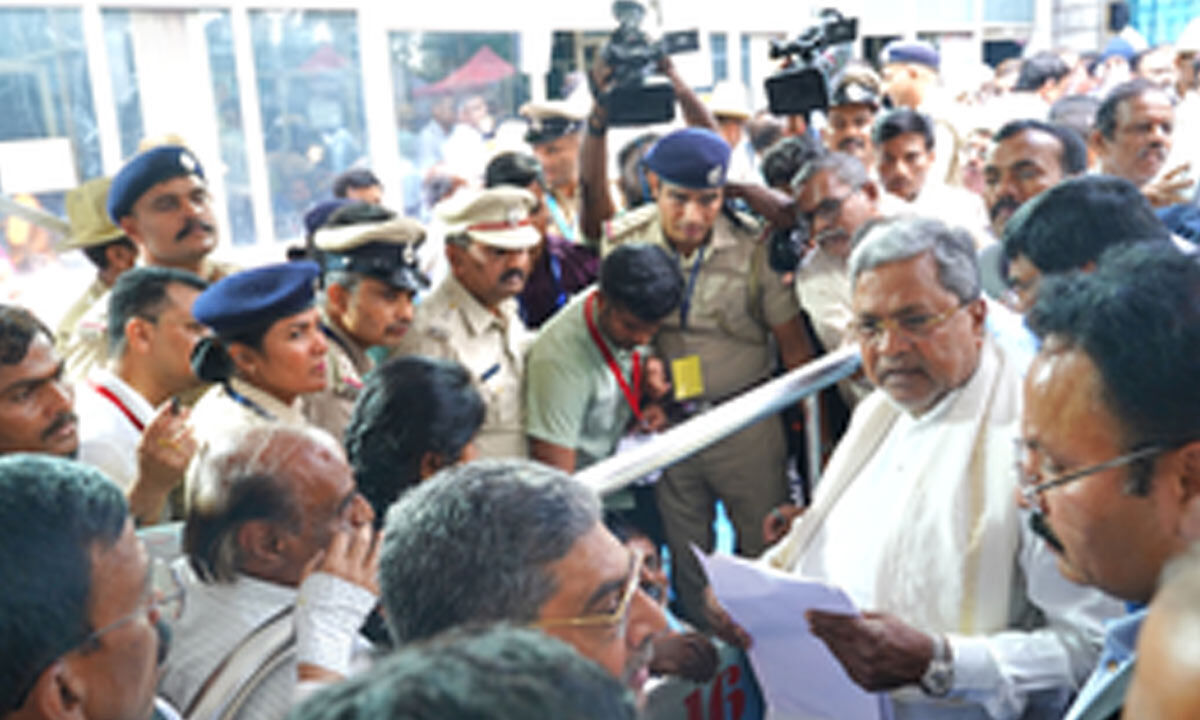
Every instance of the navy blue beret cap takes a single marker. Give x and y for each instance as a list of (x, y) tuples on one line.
[(316, 215), (146, 170), (256, 297), (912, 51), (693, 158)]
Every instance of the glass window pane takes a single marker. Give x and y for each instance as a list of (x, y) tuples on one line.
[(118, 40), (457, 96), (310, 89), (232, 136)]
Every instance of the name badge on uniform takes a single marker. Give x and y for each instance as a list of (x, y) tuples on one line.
[(687, 378)]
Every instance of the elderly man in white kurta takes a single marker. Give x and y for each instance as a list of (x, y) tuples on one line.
[(967, 616)]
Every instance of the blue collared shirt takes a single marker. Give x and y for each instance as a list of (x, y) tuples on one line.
[(1120, 641)]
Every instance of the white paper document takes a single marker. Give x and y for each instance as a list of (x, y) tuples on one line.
[(800, 678)]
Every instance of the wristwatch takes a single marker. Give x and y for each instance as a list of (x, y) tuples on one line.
[(939, 676)]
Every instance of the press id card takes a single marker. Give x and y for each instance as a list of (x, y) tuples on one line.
[(687, 378)]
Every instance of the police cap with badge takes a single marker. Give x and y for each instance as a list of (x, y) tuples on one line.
[(144, 171), (385, 249), (549, 120), (497, 216), (856, 88), (693, 158)]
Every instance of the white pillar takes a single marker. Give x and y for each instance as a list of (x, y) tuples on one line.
[(100, 77), (256, 155), (379, 102)]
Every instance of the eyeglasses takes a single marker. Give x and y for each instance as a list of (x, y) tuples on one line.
[(1030, 488), (163, 595), (826, 211), (911, 326), (618, 619)]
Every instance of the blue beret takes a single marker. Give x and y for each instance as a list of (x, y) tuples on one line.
[(256, 297), (692, 158), (1118, 47), (316, 215), (146, 170), (912, 51)]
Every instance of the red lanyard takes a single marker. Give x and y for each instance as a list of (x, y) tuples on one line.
[(112, 397), (631, 395)]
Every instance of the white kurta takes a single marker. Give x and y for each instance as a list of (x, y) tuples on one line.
[(108, 438), (916, 517)]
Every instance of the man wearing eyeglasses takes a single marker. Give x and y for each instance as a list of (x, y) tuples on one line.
[(79, 615), (1111, 436), (914, 515), (519, 542)]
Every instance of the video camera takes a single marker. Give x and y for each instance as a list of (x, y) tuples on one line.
[(637, 97), (802, 87)]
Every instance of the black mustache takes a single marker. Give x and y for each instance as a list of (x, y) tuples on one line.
[(59, 422), (1004, 203), (852, 142), (191, 226), (1041, 528), (513, 273)]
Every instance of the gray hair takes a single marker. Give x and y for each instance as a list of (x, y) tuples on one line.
[(474, 543), (345, 278), (241, 475), (880, 242), (844, 166)]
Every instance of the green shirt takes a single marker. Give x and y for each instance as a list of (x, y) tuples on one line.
[(572, 398)]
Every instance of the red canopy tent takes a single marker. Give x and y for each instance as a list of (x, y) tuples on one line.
[(484, 68)]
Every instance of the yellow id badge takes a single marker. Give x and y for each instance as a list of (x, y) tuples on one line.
[(687, 378)]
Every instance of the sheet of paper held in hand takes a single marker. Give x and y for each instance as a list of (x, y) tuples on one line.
[(800, 678)]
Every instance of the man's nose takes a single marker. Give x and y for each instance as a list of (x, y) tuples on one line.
[(692, 213), (62, 397), (646, 620)]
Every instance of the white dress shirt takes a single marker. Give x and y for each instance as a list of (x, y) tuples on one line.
[(108, 433)]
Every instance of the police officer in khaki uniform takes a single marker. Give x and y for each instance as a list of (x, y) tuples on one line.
[(369, 271), (554, 136), (734, 313), (104, 244), (160, 200), (471, 316)]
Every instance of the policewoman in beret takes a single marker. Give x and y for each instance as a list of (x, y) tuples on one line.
[(735, 310), (266, 352), (370, 279)]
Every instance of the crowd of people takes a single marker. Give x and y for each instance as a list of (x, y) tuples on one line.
[(368, 451)]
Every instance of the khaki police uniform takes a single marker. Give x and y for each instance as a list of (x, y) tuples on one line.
[(90, 227), (385, 250), (734, 302), (346, 364), (219, 412), (452, 324)]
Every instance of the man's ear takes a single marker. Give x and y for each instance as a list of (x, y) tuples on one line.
[(130, 227), (338, 298), (58, 694), (431, 462), (1189, 468), (137, 333), (260, 543), (1096, 142), (871, 190), (653, 182)]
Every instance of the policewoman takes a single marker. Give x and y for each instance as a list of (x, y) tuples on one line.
[(266, 352)]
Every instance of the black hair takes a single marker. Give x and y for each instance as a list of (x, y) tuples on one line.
[(142, 292), (478, 672), (513, 168), (785, 158), (98, 254), (357, 213), (901, 121), (18, 328), (1137, 317), (1039, 69), (1072, 158), (1075, 112), (642, 279), (409, 406), (1106, 114), (356, 178), (54, 513), (1074, 222), (633, 184)]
